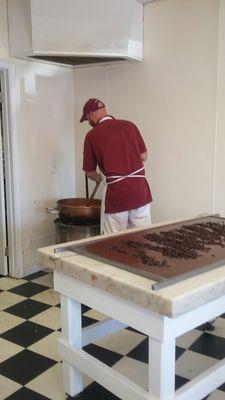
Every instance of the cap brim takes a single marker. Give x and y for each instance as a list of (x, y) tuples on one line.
[(83, 118)]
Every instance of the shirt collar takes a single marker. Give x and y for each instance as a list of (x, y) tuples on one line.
[(104, 119)]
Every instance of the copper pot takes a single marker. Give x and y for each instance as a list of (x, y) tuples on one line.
[(79, 210)]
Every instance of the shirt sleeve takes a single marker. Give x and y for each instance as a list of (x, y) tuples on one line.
[(89, 159), (140, 141)]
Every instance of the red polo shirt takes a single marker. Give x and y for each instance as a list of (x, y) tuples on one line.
[(115, 146)]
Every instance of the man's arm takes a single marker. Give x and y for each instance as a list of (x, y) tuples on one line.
[(94, 176), (144, 156)]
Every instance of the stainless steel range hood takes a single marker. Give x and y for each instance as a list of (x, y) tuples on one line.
[(76, 32)]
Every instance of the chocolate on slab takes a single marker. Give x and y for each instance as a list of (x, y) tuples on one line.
[(166, 252)]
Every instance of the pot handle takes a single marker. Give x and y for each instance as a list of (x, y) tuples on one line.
[(52, 210), (93, 193)]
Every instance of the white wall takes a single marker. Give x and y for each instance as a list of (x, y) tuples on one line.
[(46, 150), (88, 82), (44, 140), (219, 162), (172, 98), (4, 48)]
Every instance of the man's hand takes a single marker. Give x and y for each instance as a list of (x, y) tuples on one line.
[(94, 176), (144, 156)]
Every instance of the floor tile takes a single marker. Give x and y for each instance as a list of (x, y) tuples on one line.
[(26, 333), (27, 308), (210, 345), (47, 270), (49, 318), (28, 289), (86, 321), (39, 367), (95, 315), (106, 356), (8, 321), (207, 326), (140, 352), (35, 275), (121, 342), (133, 369), (49, 383), (217, 395), (7, 387), (48, 346), (7, 282), (134, 330), (138, 372), (26, 394), (180, 381), (8, 299), (84, 308), (222, 387), (25, 366), (46, 280), (95, 392), (8, 349), (186, 340), (179, 352), (190, 364), (49, 296)]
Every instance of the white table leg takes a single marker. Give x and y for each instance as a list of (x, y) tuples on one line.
[(162, 368), (72, 333)]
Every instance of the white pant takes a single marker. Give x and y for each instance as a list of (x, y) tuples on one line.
[(137, 218)]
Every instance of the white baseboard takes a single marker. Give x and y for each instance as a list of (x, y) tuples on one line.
[(33, 269)]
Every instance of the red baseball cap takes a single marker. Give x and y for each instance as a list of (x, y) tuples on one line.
[(90, 106)]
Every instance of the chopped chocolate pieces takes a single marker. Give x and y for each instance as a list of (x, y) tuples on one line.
[(146, 259), (125, 246), (188, 241), (119, 249)]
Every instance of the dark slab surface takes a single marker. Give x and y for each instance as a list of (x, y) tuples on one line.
[(163, 252)]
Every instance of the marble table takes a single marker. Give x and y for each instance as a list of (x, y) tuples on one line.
[(128, 300)]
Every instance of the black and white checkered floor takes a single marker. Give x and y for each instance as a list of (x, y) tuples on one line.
[(30, 368)]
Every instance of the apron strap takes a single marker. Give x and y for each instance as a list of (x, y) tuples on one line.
[(117, 178)]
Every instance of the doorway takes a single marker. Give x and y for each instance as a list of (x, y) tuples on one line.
[(4, 259), (10, 210)]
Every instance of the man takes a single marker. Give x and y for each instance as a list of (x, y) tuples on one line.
[(118, 149)]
